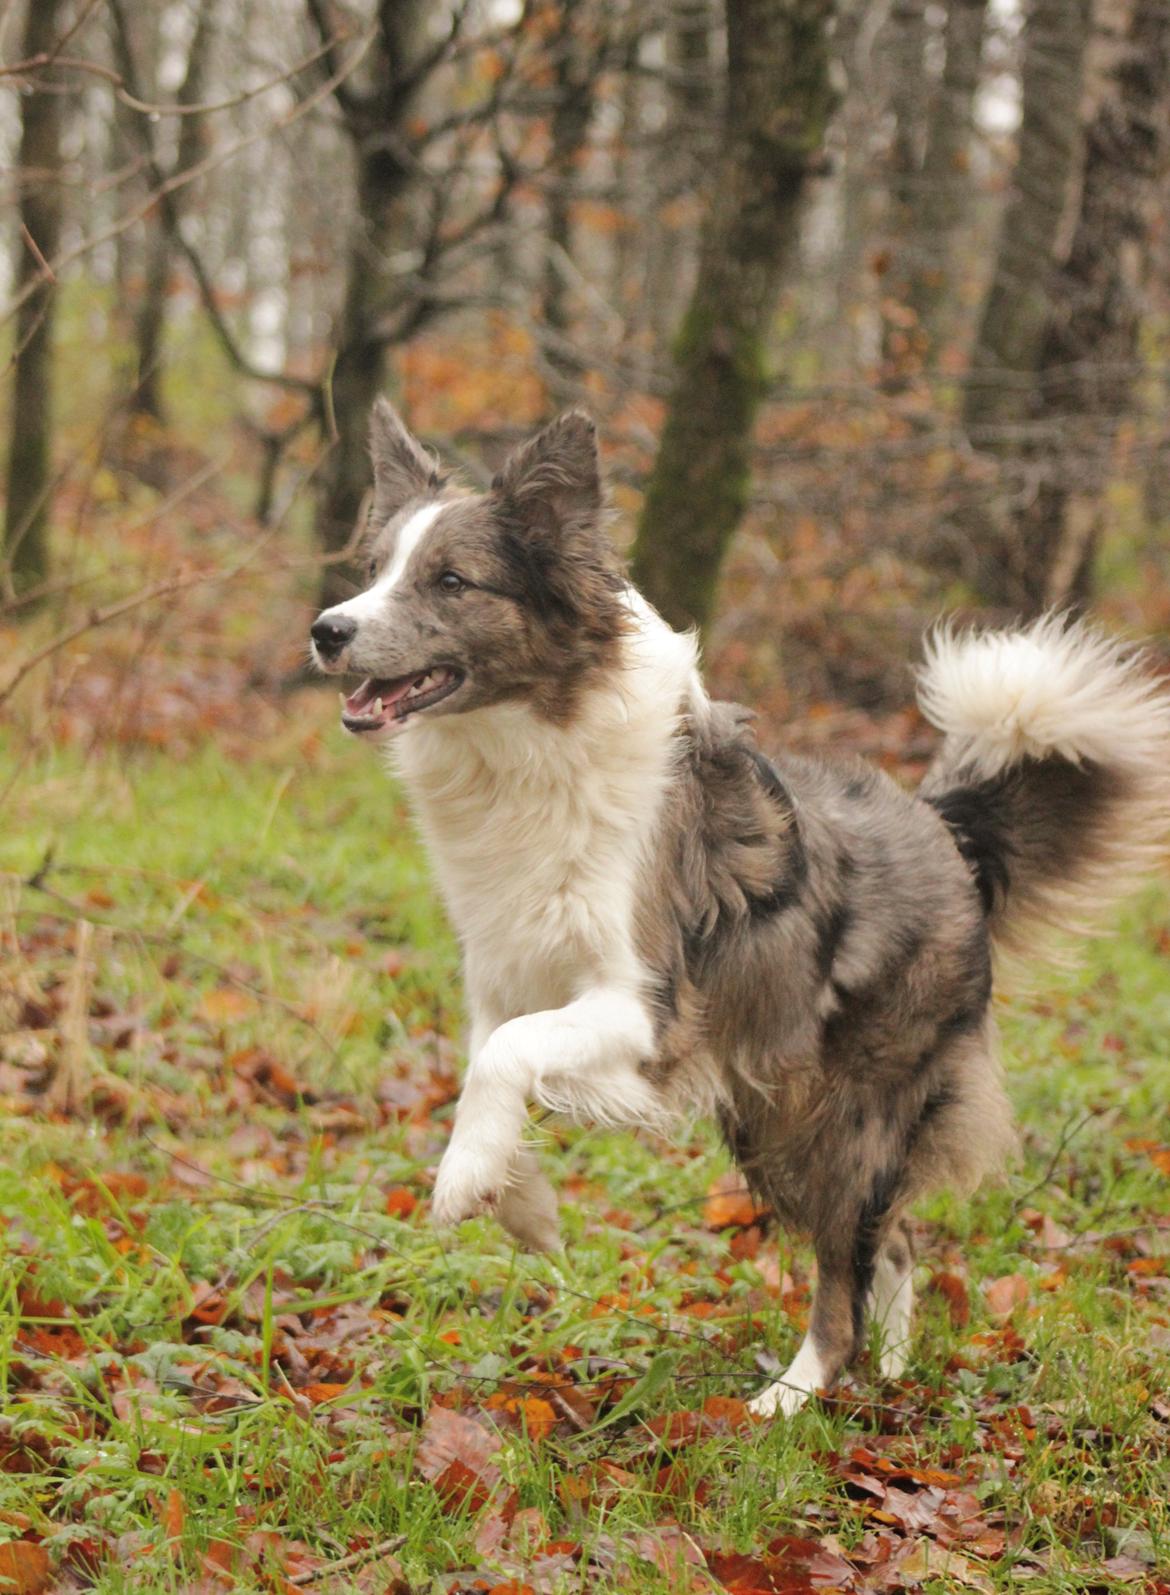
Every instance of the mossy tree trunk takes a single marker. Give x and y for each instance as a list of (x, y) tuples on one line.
[(374, 112), (1089, 360), (150, 319), (25, 563), (1000, 400), (944, 189), (575, 66), (779, 100)]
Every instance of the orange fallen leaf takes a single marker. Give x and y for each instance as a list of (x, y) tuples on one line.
[(953, 1291), (173, 1515), (224, 1003), (1005, 1294), (24, 1568), (400, 1202), (534, 1413), (316, 1393), (730, 1202)]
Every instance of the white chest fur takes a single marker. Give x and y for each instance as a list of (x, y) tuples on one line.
[(538, 832)]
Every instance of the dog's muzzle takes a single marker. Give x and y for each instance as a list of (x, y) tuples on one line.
[(332, 634)]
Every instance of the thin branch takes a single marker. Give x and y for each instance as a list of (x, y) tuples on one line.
[(182, 180)]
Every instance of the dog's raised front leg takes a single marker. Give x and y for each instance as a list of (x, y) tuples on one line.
[(581, 1059)]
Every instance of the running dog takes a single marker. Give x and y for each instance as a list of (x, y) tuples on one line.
[(656, 919)]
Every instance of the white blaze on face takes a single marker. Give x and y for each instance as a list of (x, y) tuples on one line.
[(367, 605)]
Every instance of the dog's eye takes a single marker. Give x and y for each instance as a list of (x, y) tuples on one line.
[(372, 569), (451, 582)]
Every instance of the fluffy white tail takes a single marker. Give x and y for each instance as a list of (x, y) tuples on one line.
[(1055, 772)]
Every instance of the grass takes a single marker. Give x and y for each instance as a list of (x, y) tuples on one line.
[(229, 1339)]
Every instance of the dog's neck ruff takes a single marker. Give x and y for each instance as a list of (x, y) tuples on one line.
[(539, 830)]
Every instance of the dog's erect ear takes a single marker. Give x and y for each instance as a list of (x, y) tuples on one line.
[(402, 467), (554, 480)]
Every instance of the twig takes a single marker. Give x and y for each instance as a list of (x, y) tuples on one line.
[(102, 616), (183, 179), (1069, 1132), (346, 1564)]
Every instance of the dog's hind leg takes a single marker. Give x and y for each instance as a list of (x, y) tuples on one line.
[(829, 1344), (892, 1297), (528, 1205), (847, 1249)]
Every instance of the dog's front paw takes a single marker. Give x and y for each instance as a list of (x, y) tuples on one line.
[(464, 1188)]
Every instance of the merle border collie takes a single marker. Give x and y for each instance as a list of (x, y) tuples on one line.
[(656, 919)]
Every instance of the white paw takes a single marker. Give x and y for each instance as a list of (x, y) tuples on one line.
[(778, 1398), (893, 1359), (465, 1186)]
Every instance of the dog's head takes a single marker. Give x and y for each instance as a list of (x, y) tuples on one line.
[(477, 598)]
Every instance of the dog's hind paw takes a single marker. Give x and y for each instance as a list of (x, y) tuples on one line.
[(778, 1398), (528, 1210)]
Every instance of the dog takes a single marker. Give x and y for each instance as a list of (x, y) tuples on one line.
[(655, 919)]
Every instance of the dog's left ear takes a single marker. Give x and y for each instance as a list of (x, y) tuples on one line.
[(403, 469), (554, 480)]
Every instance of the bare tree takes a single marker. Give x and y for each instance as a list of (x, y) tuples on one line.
[(1089, 362), (943, 192), (383, 303), (575, 64), (150, 318), (999, 401), (26, 552), (1015, 313), (778, 102)]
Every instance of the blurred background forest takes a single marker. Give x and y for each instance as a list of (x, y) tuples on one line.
[(869, 299)]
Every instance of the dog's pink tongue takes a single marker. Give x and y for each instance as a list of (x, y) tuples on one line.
[(370, 691)]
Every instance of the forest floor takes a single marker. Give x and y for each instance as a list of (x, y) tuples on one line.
[(235, 1355)]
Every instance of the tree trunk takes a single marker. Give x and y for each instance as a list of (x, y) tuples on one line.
[(1090, 359), (360, 369), (373, 119), (574, 68), (683, 163), (26, 553), (779, 101), (1015, 313), (1000, 399), (150, 318), (944, 190)]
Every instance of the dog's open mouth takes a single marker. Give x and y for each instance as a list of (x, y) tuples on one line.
[(379, 703)]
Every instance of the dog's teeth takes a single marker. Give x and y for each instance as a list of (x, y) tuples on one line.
[(377, 706), (342, 698)]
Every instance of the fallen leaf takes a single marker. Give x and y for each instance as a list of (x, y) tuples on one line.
[(730, 1202), (317, 1393), (400, 1202), (24, 1568), (225, 1003), (953, 1291), (173, 1515), (534, 1415), (455, 1453), (926, 1560), (1005, 1294)]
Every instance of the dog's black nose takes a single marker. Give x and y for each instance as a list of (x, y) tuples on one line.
[(331, 635)]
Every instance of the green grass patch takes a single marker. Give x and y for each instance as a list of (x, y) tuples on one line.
[(233, 1353)]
